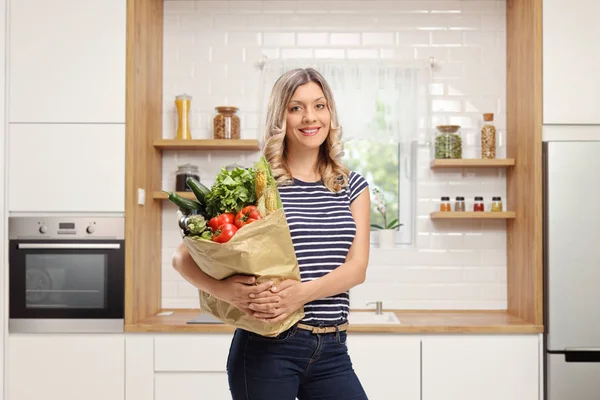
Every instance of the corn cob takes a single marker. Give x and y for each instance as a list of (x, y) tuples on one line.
[(261, 182), (271, 199), (266, 188)]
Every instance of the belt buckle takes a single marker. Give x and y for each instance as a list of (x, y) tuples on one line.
[(319, 329)]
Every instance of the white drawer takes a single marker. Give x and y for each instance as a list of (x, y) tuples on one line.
[(191, 386), (192, 352)]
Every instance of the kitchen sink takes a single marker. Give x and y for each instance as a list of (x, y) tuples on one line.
[(371, 318)]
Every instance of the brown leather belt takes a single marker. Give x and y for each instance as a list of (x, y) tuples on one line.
[(323, 329)]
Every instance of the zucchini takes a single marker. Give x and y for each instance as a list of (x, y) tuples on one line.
[(185, 206), (200, 191)]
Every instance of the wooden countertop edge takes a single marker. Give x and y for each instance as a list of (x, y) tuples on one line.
[(513, 325), (217, 328)]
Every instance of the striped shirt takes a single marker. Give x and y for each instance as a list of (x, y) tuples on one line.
[(322, 230)]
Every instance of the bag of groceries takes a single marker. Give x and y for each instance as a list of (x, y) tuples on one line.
[(238, 227)]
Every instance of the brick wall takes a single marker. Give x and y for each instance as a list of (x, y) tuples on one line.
[(211, 49)]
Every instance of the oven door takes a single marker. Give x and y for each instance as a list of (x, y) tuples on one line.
[(66, 286)]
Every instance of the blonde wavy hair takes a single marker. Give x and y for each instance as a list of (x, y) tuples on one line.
[(333, 173)]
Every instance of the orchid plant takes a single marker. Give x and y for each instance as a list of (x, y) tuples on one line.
[(380, 206)]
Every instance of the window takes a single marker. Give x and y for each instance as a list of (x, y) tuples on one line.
[(387, 167), (383, 107)]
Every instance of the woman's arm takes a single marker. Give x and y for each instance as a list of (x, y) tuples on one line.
[(184, 264), (294, 294), (235, 290)]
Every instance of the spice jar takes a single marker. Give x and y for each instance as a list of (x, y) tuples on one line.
[(445, 204), (448, 142), (183, 172), (182, 102), (488, 137), (478, 205), (226, 123), (497, 204), (459, 204)]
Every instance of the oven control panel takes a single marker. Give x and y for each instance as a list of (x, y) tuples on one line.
[(66, 228)]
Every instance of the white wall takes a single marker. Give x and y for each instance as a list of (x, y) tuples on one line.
[(210, 49), (3, 202)]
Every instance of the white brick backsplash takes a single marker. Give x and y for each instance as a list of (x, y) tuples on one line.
[(273, 6), (464, 22), (378, 39), (313, 39), (245, 5), (243, 39), (439, 53), (265, 21), (398, 53), (297, 53), (484, 7), (211, 48), (363, 53), (413, 38), (345, 39), (465, 54), (276, 39), (446, 38), (330, 53), (486, 39)]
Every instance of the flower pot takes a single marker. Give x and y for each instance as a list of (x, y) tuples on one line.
[(387, 238)]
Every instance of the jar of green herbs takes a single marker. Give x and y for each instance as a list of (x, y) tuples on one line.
[(448, 142)]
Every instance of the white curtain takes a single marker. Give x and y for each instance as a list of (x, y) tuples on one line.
[(379, 100)]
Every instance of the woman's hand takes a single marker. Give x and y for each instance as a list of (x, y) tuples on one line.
[(239, 291), (291, 295)]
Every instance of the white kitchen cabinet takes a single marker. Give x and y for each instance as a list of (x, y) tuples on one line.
[(66, 168), (66, 367), (191, 386), (191, 367), (3, 239), (67, 61), (471, 367), (199, 353), (388, 365), (139, 366), (571, 83)]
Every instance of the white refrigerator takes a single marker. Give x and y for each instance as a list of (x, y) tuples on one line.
[(572, 270)]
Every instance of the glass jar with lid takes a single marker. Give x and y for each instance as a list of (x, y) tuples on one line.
[(445, 204), (478, 204), (183, 172), (497, 204), (226, 123), (448, 142), (459, 204)]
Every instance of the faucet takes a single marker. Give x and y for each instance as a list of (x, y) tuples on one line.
[(378, 306)]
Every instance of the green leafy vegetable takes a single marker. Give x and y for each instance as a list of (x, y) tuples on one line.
[(232, 191)]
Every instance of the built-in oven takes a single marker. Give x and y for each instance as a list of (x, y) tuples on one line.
[(66, 274)]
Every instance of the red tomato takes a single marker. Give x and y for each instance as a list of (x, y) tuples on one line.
[(224, 233), (247, 215), (225, 218)]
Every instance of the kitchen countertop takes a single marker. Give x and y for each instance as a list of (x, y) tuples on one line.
[(418, 321)]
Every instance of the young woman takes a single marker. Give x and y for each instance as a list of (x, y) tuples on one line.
[(327, 209)]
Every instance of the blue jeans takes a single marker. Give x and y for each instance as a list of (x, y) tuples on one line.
[(295, 364)]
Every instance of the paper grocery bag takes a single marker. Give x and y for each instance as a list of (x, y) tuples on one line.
[(263, 249)]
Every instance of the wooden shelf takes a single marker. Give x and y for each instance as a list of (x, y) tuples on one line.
[(163, 196), (207, 144), (472, 162), (472, 215)]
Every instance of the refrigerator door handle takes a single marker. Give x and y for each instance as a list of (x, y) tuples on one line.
[(582, 355)]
